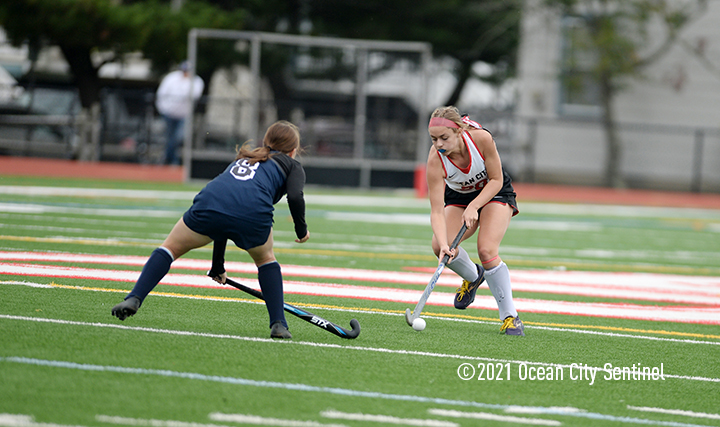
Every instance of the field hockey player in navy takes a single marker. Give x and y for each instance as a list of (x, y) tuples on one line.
[(467, 183), (238, 205)]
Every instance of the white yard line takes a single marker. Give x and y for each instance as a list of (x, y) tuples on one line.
[(239, 419), (399, 201), (19, 420), (599, 371), (113, 212), (386, 419), (494, 417), (625, 335), (675, 412), (33, 191), (306, 388)]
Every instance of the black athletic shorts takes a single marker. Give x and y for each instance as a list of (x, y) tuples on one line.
[(453, 198), (245, 233)]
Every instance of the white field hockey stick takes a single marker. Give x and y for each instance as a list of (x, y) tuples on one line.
[(410, 316)]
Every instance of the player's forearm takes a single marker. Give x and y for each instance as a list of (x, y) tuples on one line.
[(218, 257), (489, 191)]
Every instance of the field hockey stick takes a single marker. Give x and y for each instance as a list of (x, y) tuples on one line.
[(410, 316), (306, 315)]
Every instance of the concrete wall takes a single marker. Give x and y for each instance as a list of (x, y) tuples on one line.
[(659, 114)]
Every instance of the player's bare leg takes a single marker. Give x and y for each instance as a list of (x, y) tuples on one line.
[(471, 273), (180, 240), (494, 222)]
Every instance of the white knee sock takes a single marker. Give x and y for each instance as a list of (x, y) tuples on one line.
[(498, 280), (463, 265)]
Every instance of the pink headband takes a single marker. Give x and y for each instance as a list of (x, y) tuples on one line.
[(441, 121)]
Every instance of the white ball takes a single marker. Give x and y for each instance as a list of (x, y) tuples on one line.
[(418, 324)]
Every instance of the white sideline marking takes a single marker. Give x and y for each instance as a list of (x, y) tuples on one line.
[(675, 412), (384, 313), (493, 417), (96, 192), (387, 419), (130, 212), (575, 209), (380, 218), (702, 314), (530, 410), (330, 200), (19, 420), (254, 419), (30, 284), (242, 419), (328, 390), (325, 345), (377, 201), (424, 219)]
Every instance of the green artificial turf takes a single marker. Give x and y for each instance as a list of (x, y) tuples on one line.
[(193, 353)]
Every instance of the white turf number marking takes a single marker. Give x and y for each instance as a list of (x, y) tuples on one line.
[(243, 170)]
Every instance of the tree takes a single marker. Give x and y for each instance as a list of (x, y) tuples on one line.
[(81, 28), (467, 31), (621, 38)]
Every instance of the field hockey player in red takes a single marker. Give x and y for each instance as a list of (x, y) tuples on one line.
[(467, 184)]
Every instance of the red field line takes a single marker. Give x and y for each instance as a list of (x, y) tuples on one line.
[(679, 314)]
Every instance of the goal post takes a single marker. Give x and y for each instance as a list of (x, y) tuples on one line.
[(365, 128)]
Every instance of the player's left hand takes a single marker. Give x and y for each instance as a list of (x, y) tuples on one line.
[(304, 239), (220, 278), (470, 217), (445, 250)]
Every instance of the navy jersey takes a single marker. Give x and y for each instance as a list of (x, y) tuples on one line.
[(239, 203)]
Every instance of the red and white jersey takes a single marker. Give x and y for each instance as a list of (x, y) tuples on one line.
[(473, 177)]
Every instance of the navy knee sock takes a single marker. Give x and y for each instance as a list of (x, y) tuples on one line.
[(154, 270), (271, 284)]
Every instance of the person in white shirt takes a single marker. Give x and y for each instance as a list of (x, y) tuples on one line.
[(173, 102), (467, 184)]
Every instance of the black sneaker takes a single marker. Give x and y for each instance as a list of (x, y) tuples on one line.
[(279, 331), (466, 293), (126, 308)]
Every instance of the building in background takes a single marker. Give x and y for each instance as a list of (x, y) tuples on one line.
[(668, 120)]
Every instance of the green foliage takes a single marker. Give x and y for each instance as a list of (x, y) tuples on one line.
[(96, 24), (82, 27), (461, 29), (465, 30), (168, 34)]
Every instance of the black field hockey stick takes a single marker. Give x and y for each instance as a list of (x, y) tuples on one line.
[(410, 316), (306, 315)]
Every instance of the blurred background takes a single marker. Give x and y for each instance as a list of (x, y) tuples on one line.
[(622, 94)]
